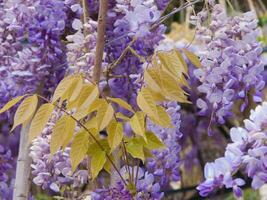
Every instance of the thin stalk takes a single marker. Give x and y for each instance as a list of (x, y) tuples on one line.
[(136, 177), (127, 160)]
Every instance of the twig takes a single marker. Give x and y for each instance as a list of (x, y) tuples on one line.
[(100, 44)]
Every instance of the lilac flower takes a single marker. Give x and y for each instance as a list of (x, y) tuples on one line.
[(162, 3), (146, 188), (232, 67), (246, 152), (117, 192), (6, 173), (127, 19), (165, 163), (54, 172), (81, 49)]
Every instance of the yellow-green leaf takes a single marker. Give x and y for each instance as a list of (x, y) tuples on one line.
[(121, 103), (115, 134), (11, 103), (104, 115), (90, 94), (79, 149), (62, 87), (25, 110), (153, 142), (171, 88), (122, 116), (181, 62), (77, 88), (151, 79), (40, 119), (158, 97), (135, 148), (82, 112), (171, 61), (62, 133), (192, 57), (137, 123), (98, 161), (164, 119), (146, 103)]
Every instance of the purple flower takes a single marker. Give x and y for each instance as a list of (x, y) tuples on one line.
[(231, 62), (52, 173), (6, 173), (166, 162), (247, 153)]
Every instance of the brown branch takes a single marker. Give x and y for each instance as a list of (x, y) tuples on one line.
[(101, 29)]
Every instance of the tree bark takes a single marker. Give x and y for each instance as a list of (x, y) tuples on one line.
[(22, 182), (100, 44)]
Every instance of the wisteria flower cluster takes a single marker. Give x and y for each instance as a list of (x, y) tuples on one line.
[(6, 173), (247, 153), (53, 172), (232, 67), (136, 110), (165, 165)]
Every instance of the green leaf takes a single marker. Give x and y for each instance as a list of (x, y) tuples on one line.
[(79, 149), (137, 123), (135, 148), (11, 103), (115, 134), (104, 115), (62, 133), (40, 119), (121, 103), (25, 110), (153, 142), (98, 161), (192, 57)]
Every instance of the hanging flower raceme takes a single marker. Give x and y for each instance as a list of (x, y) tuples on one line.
[(146, 188), (6, 166), (232, 67), (53, 172), (128, 20), (247, 152), (166, 162)]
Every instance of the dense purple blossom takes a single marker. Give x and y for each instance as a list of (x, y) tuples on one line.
[(232, 67), (52, 173), (165, 163), (117, 192), (247, 153), (146, 189), (125, 20), (6, 173)]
